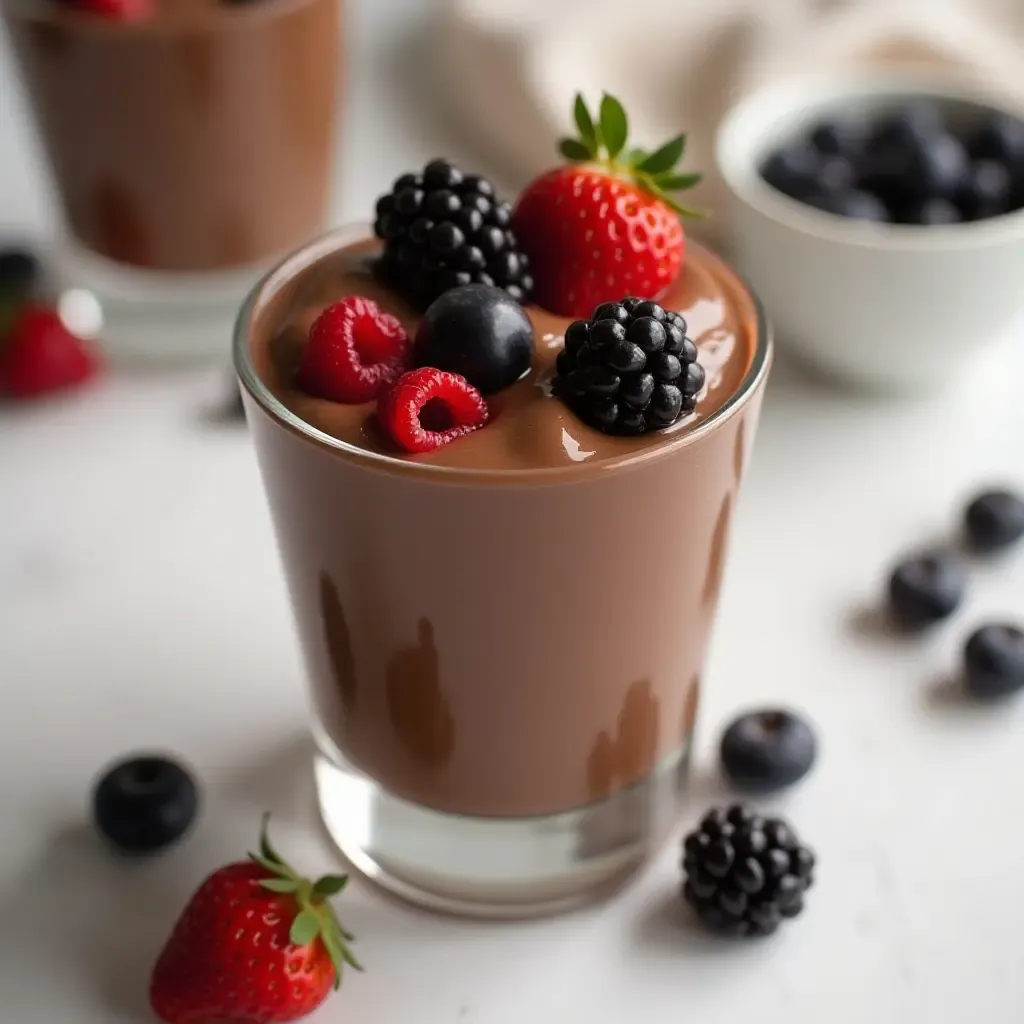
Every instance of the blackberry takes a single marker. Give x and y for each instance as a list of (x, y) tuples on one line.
[(745, 874), (443, 229), (630, 368)]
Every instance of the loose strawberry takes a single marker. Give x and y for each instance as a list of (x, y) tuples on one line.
[(429, 408), (257, 943), (40, 355), (604, 225), (123, 10), (354, 352)]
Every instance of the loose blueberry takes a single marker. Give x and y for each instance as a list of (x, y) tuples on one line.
[(143, 804), (994, 661), (767, 750), (479, 332), (994, 520), (926, 589)]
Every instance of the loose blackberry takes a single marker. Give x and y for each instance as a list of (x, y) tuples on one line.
[(745, 873), (443, 229), (630, 368)]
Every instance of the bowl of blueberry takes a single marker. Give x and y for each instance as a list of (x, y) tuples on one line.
[(881, 220)]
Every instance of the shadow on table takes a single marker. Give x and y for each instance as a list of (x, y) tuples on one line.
[(94, 918)]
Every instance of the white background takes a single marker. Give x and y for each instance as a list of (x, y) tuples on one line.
[(141, 604)]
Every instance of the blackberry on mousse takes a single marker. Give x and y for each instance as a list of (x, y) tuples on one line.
[(745, 874), (442, 229), (630, 368)]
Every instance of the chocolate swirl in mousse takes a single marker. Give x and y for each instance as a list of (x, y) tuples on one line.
[(529, 428)]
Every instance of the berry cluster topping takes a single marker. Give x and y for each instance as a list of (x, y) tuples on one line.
[(428, 408), (745, 873), (607, 223), (630, 368), (355, 350), (441, 229)]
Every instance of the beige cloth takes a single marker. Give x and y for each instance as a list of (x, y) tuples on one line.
[(513, 66)]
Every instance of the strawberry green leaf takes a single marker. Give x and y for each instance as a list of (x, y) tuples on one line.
[(275, 868), (664, 158), (614, 125), (677, 182), (573, 149), (305, 928), (266, 850), (335, 952), (280, 884), (330, 885), (585, 125), (634, 156)]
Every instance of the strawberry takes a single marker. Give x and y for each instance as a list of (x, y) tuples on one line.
[(605, 224), (40, 355), (257, 944)]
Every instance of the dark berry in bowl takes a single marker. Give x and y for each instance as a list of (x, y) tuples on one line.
[(907, 124), (853, 203), (443, 229), (994, 520), (931, 212), (479, 332), (630, 368), (926, 589), (767, 750), (841, 137), (987, 190), (794, 170), (994, 661), (1001, 138), (144, 803), (745, 874)]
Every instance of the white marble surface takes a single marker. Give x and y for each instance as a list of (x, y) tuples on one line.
[(141, 604)]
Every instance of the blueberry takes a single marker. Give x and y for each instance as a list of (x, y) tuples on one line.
[(926, 589), (994, 520), (931, 212), (994, 661), (836, 138), (836, 174), (144, 803), (793, 170), (855, 204), (479, 332), (1000, 137), (767, 750), (19, 272), (987, 190)]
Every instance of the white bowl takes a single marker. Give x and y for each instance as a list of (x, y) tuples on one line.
[(886, 306)]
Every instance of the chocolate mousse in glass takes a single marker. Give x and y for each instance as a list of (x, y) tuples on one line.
[(191, 144), (505, 636)]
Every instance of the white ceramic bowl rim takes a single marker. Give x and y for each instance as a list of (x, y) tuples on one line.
[(755, 122)]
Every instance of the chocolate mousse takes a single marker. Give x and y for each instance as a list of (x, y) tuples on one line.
[(515, 623), (194, 135)]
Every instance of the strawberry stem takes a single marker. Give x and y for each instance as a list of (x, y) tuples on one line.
[(315, 917), (604, 142)]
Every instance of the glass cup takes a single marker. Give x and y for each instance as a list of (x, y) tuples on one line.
[(505, 671), (189, 151)]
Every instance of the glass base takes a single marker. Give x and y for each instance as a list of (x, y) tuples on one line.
[(496, 867), (156, 316)]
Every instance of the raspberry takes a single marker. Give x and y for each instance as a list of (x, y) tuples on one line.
[(124, 10), (41, 355), (428, 408), (354, 351)]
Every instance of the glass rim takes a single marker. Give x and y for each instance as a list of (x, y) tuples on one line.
[(282, 272)]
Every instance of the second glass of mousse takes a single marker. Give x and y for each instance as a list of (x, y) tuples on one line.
[(504, 527), (190, 142)]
